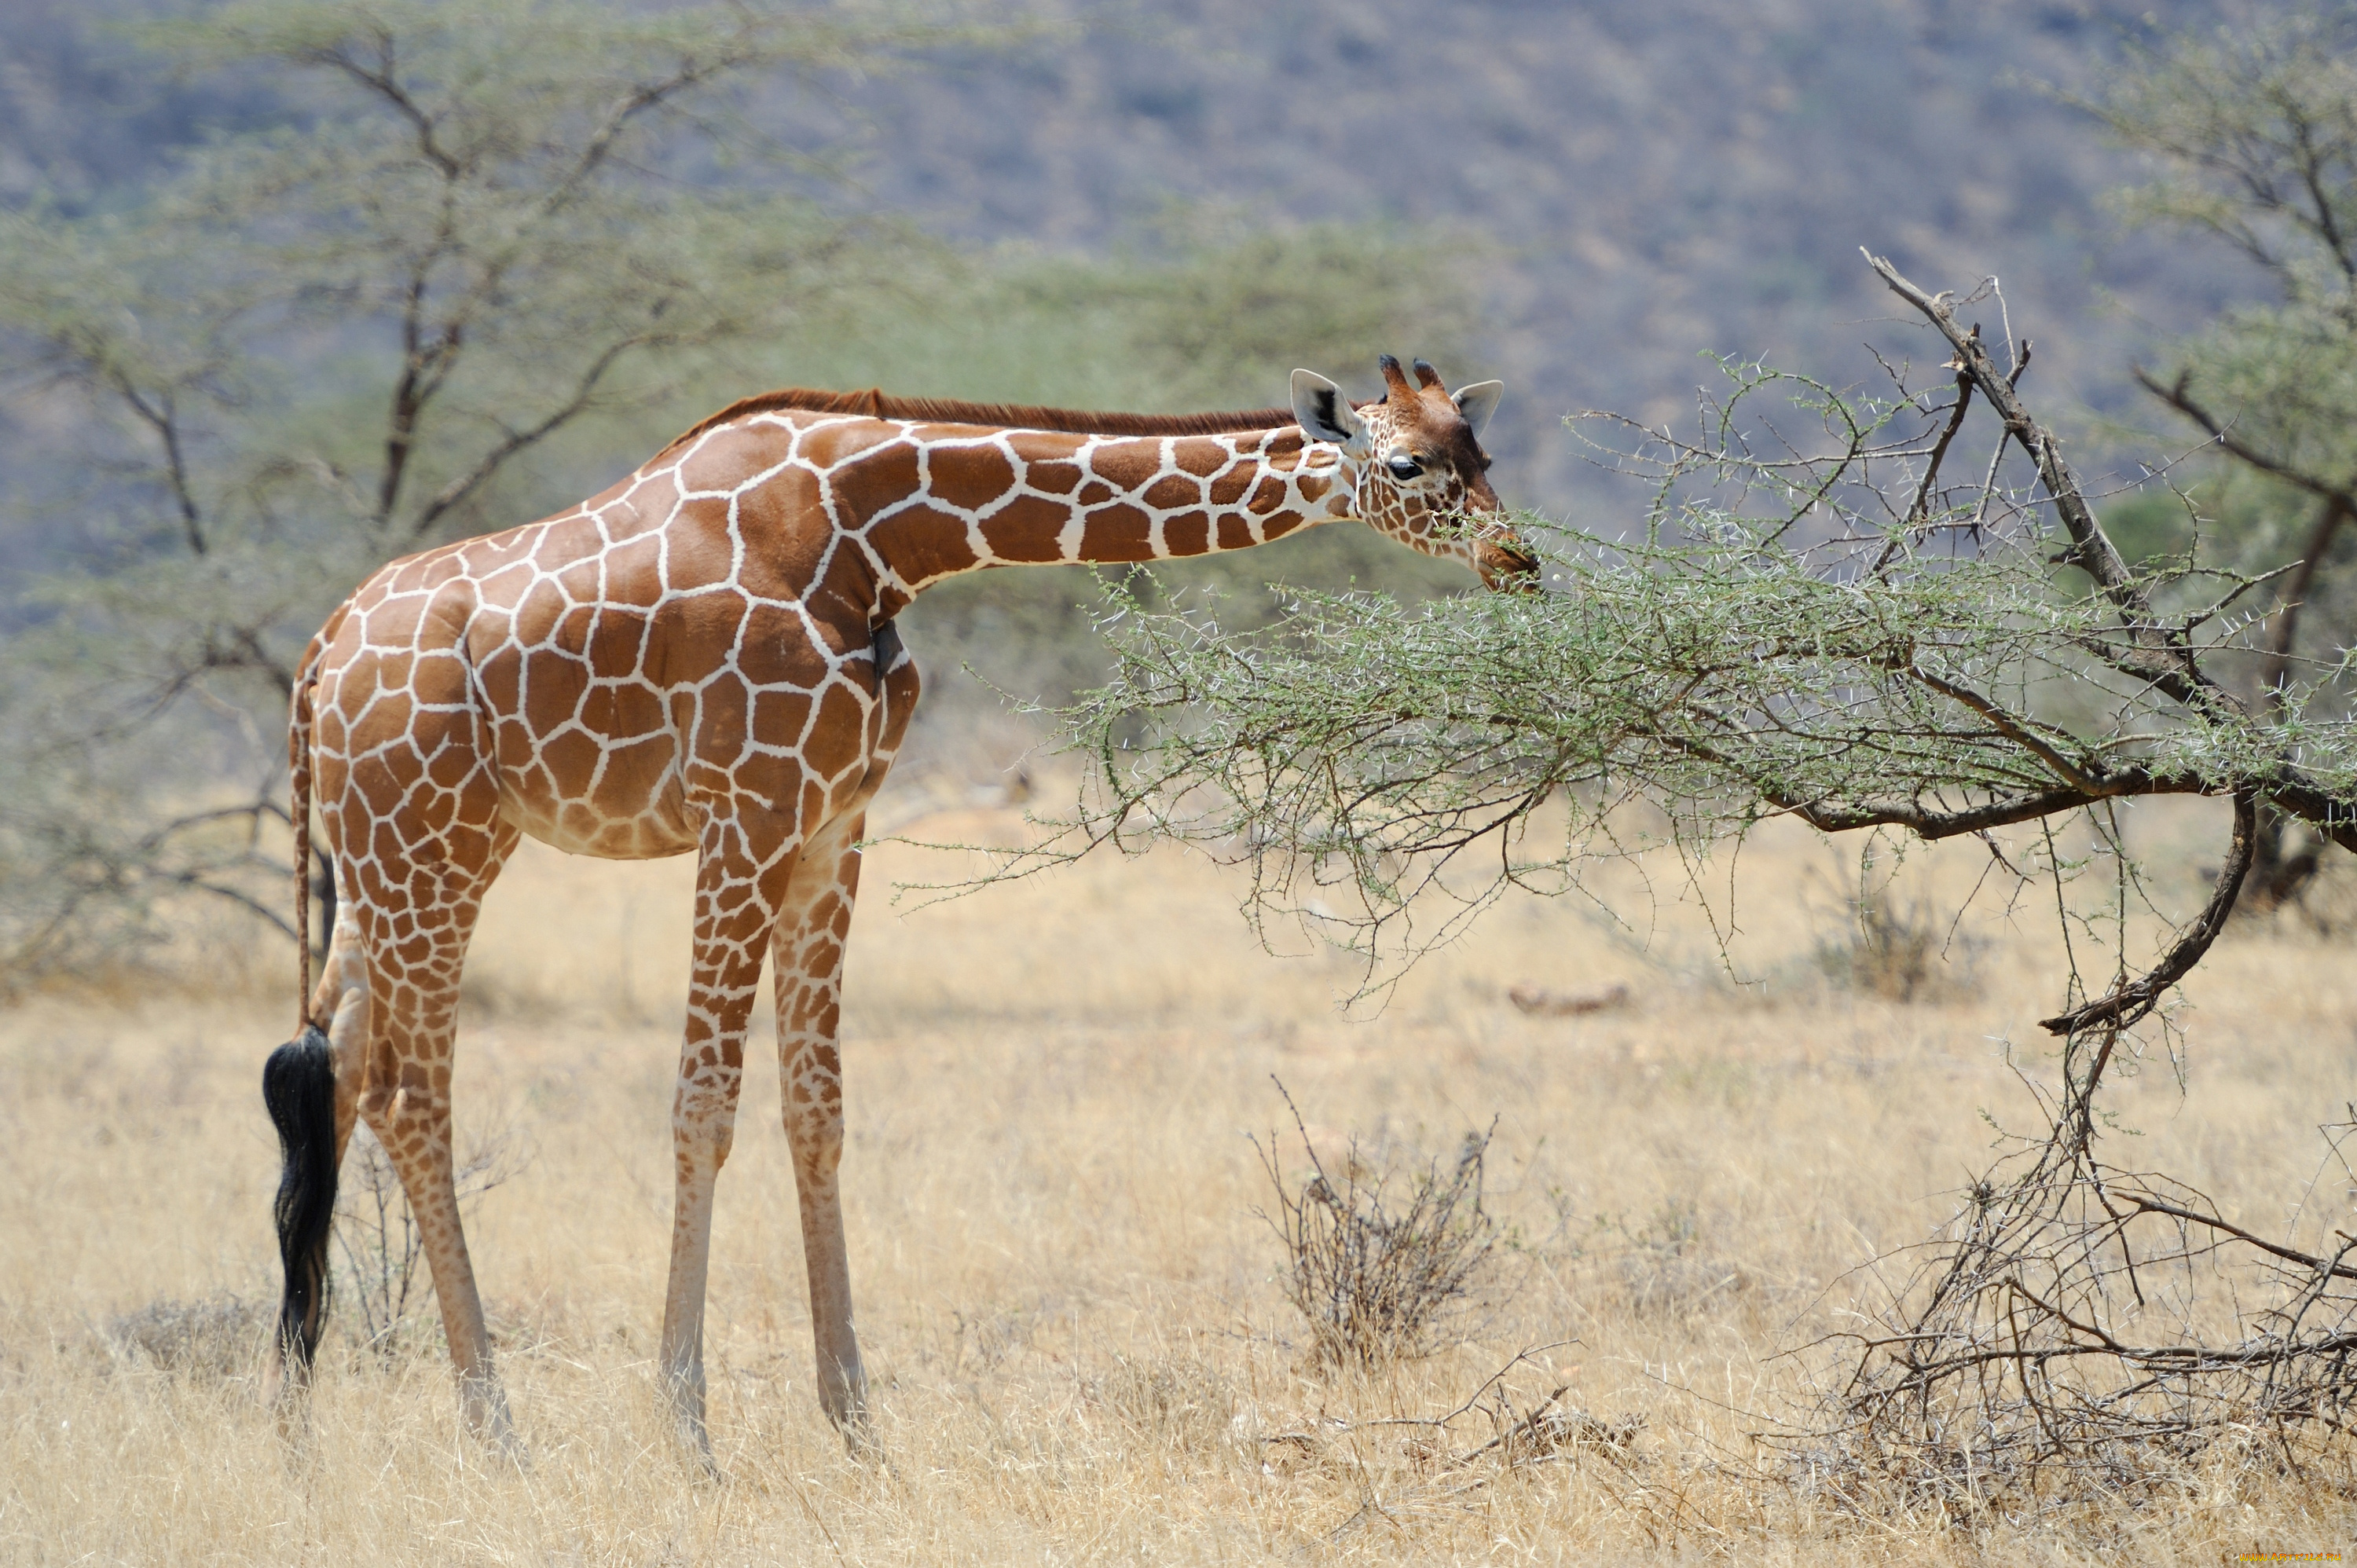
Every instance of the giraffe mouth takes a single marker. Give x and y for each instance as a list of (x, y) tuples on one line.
[(1506, 563)]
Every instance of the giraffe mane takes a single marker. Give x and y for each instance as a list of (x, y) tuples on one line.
[(879, 404)]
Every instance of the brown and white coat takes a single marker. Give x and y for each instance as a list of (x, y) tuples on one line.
[(702, 659)]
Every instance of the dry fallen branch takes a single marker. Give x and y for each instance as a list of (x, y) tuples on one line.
[(1540, 1003), (1521, 1437), (2079, 1330)]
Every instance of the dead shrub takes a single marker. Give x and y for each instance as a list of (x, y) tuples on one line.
[(215, 1337), (2080, 1333), (1893, 948), (380, 1285), (1409, 1469), (1383, 1262)]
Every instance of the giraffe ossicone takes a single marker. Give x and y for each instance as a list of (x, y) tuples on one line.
[(702, 659)]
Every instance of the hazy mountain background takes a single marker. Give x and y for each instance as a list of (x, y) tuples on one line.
[(1616, 188)]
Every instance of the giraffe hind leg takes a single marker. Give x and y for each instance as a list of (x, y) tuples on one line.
[(340, 1007), (743, 867), (416, 919)]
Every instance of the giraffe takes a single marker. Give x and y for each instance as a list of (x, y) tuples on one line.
[(702, 660)]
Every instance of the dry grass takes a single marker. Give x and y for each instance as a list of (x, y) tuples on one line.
[(1077, 1328)]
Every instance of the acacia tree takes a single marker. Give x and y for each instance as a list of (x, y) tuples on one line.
[(308, 347), (2253, 131), (1832, 614)]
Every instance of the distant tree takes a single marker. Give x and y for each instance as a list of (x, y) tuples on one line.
[(308, 347), (2253, 128)]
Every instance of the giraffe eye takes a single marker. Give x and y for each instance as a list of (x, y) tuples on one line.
[(1404, 468)]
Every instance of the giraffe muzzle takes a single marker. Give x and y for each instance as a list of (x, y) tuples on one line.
[(1506, 563)]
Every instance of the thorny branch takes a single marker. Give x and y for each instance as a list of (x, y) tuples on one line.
[(2127, 1006), (2157, 652)]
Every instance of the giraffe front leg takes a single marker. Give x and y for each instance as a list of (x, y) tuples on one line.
[(703, 1122), (809, 976), (739, 879)]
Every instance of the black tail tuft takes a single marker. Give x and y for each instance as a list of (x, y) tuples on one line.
[(298, 1085)]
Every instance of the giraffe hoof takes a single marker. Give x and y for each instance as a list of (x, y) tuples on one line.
[(696, 1449), (693, 1436), (858, 1433)]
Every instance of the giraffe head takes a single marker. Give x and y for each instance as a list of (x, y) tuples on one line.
[(1415, 467)]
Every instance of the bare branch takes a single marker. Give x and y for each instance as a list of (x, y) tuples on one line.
[(2178, 395), (2164, 657), (584, 394), (159, 414), (2131, 1001)]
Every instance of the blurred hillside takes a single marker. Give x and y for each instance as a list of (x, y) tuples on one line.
[(1619, 188)]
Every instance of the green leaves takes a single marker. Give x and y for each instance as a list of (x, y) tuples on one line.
[(2255, 125)]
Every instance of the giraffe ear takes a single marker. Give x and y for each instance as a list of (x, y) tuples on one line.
[(1478, 402), (1322, 412)]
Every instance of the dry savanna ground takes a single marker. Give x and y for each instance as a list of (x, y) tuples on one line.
[(1071, 1311)]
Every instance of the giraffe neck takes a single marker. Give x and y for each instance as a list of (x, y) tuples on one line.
[(931, 502)]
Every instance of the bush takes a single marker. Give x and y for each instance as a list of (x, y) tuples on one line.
[(1382, 1263), (219, 1337), (1893, 948)]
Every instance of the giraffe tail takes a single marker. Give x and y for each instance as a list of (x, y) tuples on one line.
[(298, 1086)]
